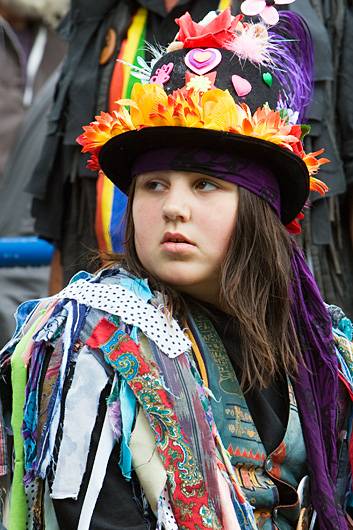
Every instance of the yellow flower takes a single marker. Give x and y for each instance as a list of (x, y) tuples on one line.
[(220, 112)]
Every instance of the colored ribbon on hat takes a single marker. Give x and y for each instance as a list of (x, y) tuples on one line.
[(111, 202), (254, 176)]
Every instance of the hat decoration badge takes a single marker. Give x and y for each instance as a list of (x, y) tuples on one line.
[(238, 84)]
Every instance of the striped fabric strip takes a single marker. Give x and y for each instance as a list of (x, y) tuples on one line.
[(105, 447), (111, 202)]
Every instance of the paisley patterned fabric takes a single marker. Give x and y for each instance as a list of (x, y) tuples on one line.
[(191, 504)]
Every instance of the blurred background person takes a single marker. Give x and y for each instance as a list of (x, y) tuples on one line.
[(30, 51)]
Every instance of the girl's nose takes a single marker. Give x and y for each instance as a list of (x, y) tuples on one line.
[(176, 207)]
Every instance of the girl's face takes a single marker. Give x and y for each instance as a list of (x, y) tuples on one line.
[(183, 224)]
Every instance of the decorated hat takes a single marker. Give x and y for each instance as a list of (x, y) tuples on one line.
[(226, 98)]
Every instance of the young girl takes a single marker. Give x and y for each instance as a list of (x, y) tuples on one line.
[(196, 382)]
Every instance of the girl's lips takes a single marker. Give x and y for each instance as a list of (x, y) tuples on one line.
[(176, 237), (181, 247)]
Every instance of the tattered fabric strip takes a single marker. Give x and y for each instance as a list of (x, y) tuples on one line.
[(18, 506), (105, 447), (128, 412), (191, 504), (49, 383), (166, 519), (75, 318), (81, 407), (30, 414), (3, 446), (25, 316), (36, 355), (117, 300), (50, 520), (344, 352), (147, 463), (193, 408)]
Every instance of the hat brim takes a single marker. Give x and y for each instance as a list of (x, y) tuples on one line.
[(119, 153)]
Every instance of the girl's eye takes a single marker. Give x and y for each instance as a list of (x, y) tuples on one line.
[(155, 185), (206, 185)]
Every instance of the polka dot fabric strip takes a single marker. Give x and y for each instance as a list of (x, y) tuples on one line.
[(118, 300)]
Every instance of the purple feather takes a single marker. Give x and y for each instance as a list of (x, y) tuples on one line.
[(291, 51)]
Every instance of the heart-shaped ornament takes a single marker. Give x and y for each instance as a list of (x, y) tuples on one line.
[(241, 86), (202, 57), (200, 61), (267, 78)]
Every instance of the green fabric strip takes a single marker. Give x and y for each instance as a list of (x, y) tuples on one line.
[(18, 503)]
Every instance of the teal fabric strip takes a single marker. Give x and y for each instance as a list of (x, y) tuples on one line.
[(128, 411)]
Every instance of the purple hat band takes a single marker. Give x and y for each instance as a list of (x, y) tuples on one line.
[(248, 174)]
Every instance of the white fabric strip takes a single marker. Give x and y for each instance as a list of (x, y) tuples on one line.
[(50, 520), (118, 300), (105, 447), (81, 407)]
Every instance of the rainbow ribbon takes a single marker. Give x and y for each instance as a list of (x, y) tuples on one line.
[(111, 202)]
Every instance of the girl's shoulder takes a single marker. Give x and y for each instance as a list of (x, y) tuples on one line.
[(90, 300), (46, 318)]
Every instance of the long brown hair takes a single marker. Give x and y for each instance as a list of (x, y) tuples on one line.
[(254, 288)]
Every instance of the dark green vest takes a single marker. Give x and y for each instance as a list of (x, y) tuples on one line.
[(269, 481)]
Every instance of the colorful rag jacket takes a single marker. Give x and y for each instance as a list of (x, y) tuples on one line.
[(111, 331)]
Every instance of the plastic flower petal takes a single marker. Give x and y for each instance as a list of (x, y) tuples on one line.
[(313, 163), (264, 8), (318, 185), (105, 126), (200, 83), (219, 110), (215, 34), (270, 15), (252, 7), (294, 226)]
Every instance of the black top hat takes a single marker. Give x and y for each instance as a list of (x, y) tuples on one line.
[(264, 98)]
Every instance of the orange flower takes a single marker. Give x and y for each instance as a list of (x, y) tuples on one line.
[(151, 106), (312, 163), (106, 125), (265, 124), (318, 185)]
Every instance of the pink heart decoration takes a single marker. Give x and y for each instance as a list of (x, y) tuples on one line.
[(201, 61), (202, 57), (241, 86), (162, 74)]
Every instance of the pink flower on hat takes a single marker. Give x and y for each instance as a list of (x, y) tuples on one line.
[(264, 8)]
